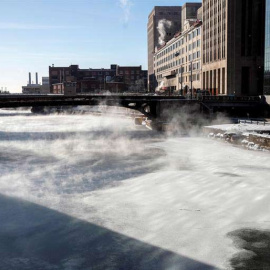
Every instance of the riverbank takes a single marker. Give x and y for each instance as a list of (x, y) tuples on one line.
[(253, 135)]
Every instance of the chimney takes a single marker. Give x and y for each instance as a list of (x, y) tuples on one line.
[(36, 78), (29, 78)]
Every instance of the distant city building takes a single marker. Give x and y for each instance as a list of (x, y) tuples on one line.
[(66, 88), (267, 50), (4, 91), (45, 85), (163, 23), (36, 88), (116, 79), (134, 77), (189, 12), (45, 81), (178, 63), (233, 46)]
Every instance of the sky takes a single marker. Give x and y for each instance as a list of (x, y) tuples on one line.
[(91, 33)]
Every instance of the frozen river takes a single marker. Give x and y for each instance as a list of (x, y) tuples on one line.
[(89, 192)]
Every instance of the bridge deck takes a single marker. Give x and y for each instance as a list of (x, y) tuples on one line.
[(150, 105)]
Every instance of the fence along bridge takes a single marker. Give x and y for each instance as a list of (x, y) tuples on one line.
[(150, 105)]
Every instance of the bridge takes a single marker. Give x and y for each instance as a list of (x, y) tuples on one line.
[(152, 106)]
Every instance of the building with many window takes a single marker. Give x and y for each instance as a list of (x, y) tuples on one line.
[(163, 23), (233, 46), (177, 65), (116, 79), (267, 50)]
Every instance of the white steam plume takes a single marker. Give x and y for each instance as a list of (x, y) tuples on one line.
[(163, 25), (125, 6), (160, 86)]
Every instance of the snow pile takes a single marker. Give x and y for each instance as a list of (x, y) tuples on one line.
[(241, 128), (247, 135)]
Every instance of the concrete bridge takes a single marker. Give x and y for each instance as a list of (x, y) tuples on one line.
[(151, 106)]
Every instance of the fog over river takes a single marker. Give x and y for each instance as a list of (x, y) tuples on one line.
[(98, 192)]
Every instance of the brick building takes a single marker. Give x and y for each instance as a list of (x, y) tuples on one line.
[(115, 79)]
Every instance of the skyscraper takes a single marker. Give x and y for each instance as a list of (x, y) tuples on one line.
[(163, 23), (233, 46), (267, 50), (189, 11)]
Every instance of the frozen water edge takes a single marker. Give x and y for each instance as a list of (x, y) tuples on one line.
[(190, 194)]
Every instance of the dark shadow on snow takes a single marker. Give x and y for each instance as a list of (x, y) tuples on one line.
[(35, 237), (254, 249)]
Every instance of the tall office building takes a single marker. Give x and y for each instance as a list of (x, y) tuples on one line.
[(267, 50), (163, 23), (189, 11), (233, 46)]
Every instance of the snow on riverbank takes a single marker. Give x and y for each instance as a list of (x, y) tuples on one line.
[(242, 127), (249, 135)]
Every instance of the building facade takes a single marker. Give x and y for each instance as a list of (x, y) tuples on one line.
[(36, 88), (177, 65), (189, 12), (116, 79), (163, 23), (87, 79), (267, 50), (233, 46)]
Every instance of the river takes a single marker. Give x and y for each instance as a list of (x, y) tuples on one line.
[(98, 192)]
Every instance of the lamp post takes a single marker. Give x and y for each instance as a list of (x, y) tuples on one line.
[(191, 80), (181, 80)]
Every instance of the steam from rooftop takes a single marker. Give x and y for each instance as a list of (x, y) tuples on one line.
[(163, 26)]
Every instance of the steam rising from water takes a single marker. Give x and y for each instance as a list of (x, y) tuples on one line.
[(100, 192), (72, 154)]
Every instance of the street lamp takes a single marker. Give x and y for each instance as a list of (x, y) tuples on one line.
[(181, 91), (191, 80)]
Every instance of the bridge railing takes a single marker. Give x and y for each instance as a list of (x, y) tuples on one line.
[(254, 122), (230, 98)]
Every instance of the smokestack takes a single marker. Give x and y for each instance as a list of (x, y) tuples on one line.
[(30, 78), (36, 78)]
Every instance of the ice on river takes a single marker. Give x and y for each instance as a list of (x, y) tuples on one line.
[(88, 192)]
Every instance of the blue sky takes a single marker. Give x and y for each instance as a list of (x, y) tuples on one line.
[(91, 33)]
